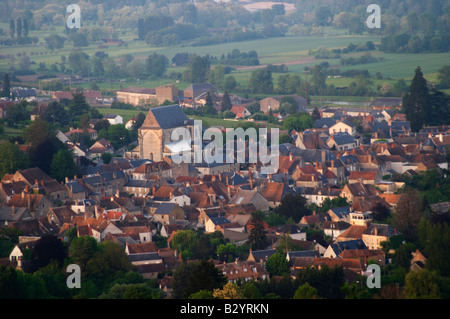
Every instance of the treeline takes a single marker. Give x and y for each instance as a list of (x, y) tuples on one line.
[(363, 59), (406, 43)]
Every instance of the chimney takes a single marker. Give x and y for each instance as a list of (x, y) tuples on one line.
[(441, 137), (324, 156), (291, 157), (13, 210)]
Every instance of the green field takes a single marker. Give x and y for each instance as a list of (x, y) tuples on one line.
[(290, 50)]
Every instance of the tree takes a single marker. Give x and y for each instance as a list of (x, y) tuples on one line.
[(277, 265), (230, 83), (315, 114), (292, 206), (260, 81), (435, 239), (318, 79), (226, 102), (78, 105), (24, 62), (407, 214), (198, 69), (184, 240), (109, 263), (157, 65), (119, 135), (12, 28), (55, 42), (55, 113), (305, 291), (6, 91), (48, 248), (12, 158), (205, 276), (229, 291), (62, 165), (421, 284), (257, 237), (444, 77), (299, 122), (19, 27), (416, 103)]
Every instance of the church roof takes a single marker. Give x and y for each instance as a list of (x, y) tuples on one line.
[(165, 117)]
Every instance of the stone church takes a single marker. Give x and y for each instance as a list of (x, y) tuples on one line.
[(155, 133)]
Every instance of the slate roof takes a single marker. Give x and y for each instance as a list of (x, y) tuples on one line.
[(165, 117), (342, 138), (324, 122), (200, 88), (339, 247), (263, 255), (165, 208), (341, 212)]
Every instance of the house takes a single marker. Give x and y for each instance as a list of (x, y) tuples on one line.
[(36, 204), (340, 214), (342, 126), (197, 90), (384, 102), (240, 111), (334, 229), (212, 224), (167, 213), (360, 218), (357, 190), (158, 170), (4, 108), (9, 188), (376, 234), (100, 147), (418, 260), (13, 214), (313, 220), (310, 140), (250, 197), (31, 175), (61, 215), (113, 119), (243, 271), (364, 255), (92, 96), (274, 193), (273, 103), (365, 177), (136, 95), (334, 250), (352, 233), (324, 123), (341, 141), (76, 189), (260, 256), (138, 188), (73, 132), (25, 243), (315, 195)]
